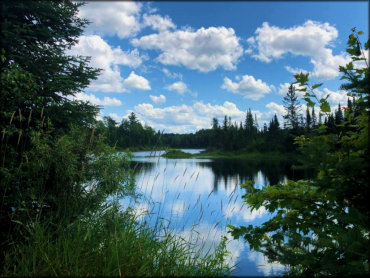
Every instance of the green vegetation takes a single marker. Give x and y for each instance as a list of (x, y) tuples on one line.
[(58, 175), (108, 243), (177, 154), (253, 156), (321, 226)]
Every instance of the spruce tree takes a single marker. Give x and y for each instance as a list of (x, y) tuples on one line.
[(314, 121), (292, 107)]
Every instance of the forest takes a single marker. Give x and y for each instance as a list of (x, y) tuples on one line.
[(63, 172), (229, 135)]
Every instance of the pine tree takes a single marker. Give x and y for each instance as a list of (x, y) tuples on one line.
[(314, 121), (215, 123), (308, 119), (292, 107), (339, 118), (225, 124)]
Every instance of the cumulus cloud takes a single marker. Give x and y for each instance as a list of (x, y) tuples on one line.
[(248, 87), (108, 59), (137, 82), (274, 108), (178, 86), (106, 101), (158, 99), (116, 117), (158, 23), (335, 97), (172, 75), (186, 118), (204, 49), (312, 39), (115, 18), (247, 214), (190, 118)]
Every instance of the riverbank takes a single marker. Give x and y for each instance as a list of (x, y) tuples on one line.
[(218, 154)]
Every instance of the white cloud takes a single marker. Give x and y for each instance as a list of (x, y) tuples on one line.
[(108, 59), (158, 99), (138, 82), (335, 97), (311, 39), (178, 207), (295, 70), (204, 49), (113, 18), (179, 87), (106, 101), (248, 86), (173, 75), (274, 108), (157, 22), (115, 117), (247, 214), (219, 111), (186, 118), (190, 118)]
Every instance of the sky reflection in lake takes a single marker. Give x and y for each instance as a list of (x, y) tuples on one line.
[(197, 198)]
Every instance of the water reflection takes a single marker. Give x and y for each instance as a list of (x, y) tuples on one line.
[(197, 198)]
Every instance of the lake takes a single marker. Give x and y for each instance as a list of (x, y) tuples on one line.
[(197, 198)]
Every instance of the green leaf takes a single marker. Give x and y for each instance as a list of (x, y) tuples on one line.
[(310, 103), (324, 106), (316, 85)]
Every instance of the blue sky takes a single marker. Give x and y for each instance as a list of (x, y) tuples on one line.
[(178, 64)]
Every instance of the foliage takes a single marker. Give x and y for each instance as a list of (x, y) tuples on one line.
[(176, 154), (109, 243), (321, 226), (58, 175), (50, 160)]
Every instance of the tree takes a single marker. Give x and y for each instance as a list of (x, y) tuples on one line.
[(35, 37), (52, 166), (339, 118), (215, 124), (320, 226), (308, 119), (291, 105), (314, 120)]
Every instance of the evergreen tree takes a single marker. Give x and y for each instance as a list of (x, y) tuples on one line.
[(256, 122), (339, 118), (308, 119), (225, 124), (249, 124), (35, 38), (314, 121), (215, 123), (292, 107)]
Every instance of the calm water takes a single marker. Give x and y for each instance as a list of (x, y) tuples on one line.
[(197, 198)]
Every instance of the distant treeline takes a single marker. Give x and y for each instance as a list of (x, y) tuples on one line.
[(229, 135)]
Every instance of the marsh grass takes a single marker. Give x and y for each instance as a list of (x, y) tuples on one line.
[(109, 243)]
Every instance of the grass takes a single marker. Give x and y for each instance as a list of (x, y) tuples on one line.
[(255, 156), (219, 154), (108, 243), (177, 154)]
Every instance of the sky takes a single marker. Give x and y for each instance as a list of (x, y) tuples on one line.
[(177, 65)]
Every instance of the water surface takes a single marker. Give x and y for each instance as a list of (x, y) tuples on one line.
[(197, 198)]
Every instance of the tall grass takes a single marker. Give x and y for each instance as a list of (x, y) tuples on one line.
[(108, 243), (97, 238)]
